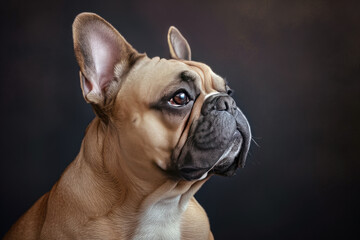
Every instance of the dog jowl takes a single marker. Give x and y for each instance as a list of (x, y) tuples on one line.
[(162, 128)]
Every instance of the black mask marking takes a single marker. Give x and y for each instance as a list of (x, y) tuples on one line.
[(218, 140)]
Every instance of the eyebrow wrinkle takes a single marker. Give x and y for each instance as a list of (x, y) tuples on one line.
[(205, 74), (187, 76)]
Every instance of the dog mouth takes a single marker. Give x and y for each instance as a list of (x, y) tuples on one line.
[(225, 165), (229, 156)]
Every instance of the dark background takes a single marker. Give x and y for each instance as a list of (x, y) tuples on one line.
[(295, 68)]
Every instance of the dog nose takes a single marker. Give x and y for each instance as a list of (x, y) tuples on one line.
[(219, 103), (224, 103)]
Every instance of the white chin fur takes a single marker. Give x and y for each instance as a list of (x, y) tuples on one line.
[(203, 176)]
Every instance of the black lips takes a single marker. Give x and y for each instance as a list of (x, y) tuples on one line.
[(218, 140)]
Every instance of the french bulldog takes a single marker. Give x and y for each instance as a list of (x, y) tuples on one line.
[(162, 128)]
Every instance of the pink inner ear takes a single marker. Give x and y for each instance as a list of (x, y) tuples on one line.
[(105, 52), (180, 45), (180, 48), (86, 85)]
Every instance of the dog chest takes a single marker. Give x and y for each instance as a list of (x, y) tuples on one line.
[(160, 221)]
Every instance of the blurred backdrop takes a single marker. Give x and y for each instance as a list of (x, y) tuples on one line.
[(295, 68)]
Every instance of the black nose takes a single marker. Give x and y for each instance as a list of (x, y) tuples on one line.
[(219, 103), (224, 103)]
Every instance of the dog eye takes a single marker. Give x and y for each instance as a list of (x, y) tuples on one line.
[(179, 99)]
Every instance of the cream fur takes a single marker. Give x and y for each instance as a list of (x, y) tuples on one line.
[(116, 187)]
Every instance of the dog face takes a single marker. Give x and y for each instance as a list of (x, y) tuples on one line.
[(174, 115)]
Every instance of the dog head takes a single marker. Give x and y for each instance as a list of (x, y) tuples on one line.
[(174, 115)]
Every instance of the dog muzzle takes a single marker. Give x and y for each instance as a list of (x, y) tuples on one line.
[(217, 143)]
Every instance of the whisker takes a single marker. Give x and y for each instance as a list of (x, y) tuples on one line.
[(255, 142)]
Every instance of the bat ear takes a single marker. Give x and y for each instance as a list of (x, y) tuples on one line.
[(179, 47), (103, 56)]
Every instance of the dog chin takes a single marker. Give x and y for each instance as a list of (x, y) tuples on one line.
[(228, 162), (224, 166), (230, 155)]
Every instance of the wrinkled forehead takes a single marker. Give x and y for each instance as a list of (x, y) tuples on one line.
[(209, 81), (169, 71)]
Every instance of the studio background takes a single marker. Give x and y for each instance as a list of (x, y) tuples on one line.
[(295, 69)]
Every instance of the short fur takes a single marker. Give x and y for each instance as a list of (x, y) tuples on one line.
[(121, 186)]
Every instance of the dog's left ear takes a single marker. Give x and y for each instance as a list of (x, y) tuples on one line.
[(179, 47)]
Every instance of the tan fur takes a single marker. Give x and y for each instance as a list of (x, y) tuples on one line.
[(118, 174)]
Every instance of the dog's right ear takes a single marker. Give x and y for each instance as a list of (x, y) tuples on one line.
[(103, 55)]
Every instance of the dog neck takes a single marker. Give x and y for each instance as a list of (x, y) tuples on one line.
[(148, 208)]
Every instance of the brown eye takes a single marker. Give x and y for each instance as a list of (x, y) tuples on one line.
[(180, 99)]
